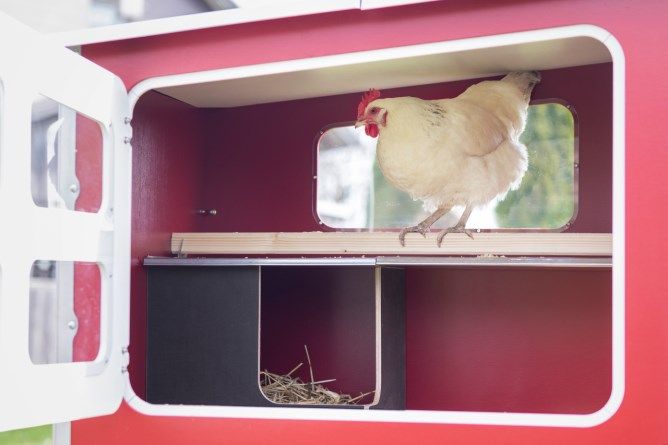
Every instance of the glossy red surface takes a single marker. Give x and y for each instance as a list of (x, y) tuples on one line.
[(639, 27)]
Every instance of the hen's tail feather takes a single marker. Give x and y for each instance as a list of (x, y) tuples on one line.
[(524, 80)]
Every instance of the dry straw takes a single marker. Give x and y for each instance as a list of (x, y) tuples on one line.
[(292, 390)]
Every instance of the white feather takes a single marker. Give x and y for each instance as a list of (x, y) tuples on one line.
[(461, 151)]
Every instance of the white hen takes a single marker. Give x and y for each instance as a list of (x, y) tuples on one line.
[(463, 151)]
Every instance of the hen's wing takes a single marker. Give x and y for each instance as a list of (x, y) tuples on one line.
[(470, 127)]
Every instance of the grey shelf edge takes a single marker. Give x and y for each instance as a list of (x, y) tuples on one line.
[(495, 261), (172, 261)]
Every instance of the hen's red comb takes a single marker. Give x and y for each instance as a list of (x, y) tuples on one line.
[(367, 98)]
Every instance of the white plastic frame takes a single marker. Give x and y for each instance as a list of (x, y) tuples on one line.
[(52, 393), (618, 261)]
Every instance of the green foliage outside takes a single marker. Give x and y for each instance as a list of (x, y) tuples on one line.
[(40, 435), (544, 198)]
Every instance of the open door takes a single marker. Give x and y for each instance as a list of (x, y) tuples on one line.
[(51, 227)]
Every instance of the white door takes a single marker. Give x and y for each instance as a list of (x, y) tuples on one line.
[(44, 231)]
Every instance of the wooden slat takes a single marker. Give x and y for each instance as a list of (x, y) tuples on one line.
[(387, 243)]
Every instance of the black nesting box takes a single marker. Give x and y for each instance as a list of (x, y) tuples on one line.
[(214, 324)]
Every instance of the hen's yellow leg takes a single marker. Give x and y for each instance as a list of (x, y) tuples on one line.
[(460, 227), (423, 226)]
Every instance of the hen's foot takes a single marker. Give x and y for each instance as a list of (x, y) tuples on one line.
[(420, 228), (455, 229)]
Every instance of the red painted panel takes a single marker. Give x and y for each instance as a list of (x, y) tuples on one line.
[(89, 164), (508, 340), (640, 28), (87, 309), (86, 276), (166, 186)]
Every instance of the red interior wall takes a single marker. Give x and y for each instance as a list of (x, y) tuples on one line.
[(167, 186), (259, 168), (508, 340), (254, 165), (332, 312)]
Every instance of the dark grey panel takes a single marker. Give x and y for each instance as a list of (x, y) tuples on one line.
[(202, 336), (393, 339)]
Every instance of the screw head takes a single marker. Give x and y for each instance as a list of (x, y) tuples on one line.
[(213, 212), (73, 188), (72, 324)]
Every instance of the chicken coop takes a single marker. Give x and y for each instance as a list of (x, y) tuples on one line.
[(204, 210)]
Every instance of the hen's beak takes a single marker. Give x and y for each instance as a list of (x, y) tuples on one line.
[(360, 124)]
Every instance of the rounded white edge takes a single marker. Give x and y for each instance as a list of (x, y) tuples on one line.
[(203, 20), (445, 417), (362, 57)]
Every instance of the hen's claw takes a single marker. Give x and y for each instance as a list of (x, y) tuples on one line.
[(420, 228), (455, 229)]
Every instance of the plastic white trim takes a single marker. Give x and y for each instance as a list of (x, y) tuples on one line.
[(199, 21), (451, 417), (314, 66)]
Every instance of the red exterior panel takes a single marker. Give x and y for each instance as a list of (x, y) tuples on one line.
[(640, 28)]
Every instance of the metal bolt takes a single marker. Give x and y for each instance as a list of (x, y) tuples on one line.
[(477, 230), (127, 120), (72, 324), (201, 212), (576, 165), (73, 188), (126, 140), (213, 212)]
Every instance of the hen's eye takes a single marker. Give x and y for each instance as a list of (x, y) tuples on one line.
[(374, 110)]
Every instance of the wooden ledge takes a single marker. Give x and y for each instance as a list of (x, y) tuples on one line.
[(387, 243)]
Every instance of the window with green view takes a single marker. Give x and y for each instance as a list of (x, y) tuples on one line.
[(352, 192)]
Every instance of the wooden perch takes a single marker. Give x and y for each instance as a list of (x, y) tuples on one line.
[(387, 243)]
